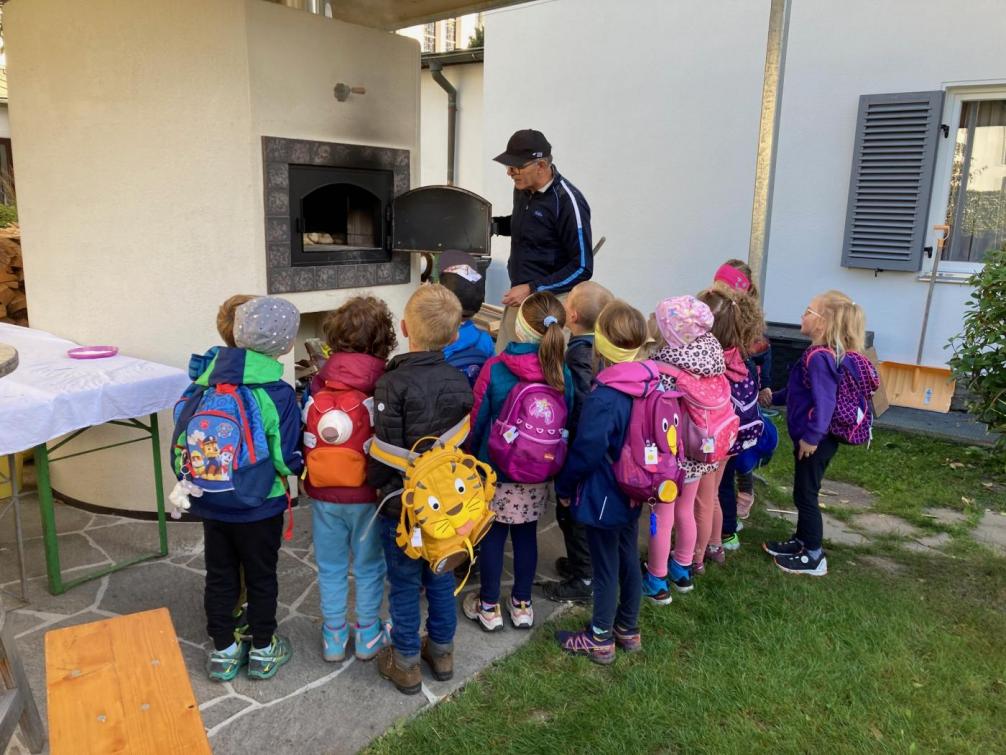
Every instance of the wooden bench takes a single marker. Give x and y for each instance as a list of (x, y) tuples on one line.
[(120, 685), (17, 705)]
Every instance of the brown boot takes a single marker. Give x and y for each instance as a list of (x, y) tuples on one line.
[(441, 664), (408, 679)]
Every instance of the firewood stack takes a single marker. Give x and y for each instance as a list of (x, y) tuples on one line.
[(13, 303)]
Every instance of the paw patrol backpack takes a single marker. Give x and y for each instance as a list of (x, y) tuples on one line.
[(445, 499)]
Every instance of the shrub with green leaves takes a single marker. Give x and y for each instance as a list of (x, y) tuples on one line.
[(8, 215), (979, 360)]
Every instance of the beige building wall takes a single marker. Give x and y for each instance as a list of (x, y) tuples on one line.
[(138, 129), (470, 157)]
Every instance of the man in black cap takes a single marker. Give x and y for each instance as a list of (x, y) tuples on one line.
[(549, 229)]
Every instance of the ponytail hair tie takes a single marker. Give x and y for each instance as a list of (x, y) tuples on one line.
[(549, 320)]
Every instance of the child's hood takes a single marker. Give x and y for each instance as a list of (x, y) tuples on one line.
[(469, 335), (522, 360), (634, 379), (703, 357), (241, 367), (348, 370), (736, 368), (198, 363)]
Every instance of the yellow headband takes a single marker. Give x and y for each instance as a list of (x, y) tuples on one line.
[(614, 354), (525, 333)]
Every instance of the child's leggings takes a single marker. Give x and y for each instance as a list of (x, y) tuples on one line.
[(708, 514), (525, 560), (677, 516)]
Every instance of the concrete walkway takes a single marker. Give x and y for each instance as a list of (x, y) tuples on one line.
[(310, 706)]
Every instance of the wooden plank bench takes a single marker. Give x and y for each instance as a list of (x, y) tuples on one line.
[(120, 685)]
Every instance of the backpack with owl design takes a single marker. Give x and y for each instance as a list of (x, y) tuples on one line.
[(528, 441), (650, 466), (445, 499)]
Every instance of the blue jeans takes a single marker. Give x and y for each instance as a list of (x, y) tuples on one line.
[(728, 499), (338, 531), (405, 578)]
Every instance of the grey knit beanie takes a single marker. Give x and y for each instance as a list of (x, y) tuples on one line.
[(267, 325)]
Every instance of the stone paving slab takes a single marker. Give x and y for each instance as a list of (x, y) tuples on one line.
[(842, 495), (884, 524), (311, 706), (836, 531), (991, 531), (946, 516)]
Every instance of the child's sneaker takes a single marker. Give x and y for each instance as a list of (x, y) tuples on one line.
[(628, 640), (223, 665), (263, 663), (698, 568), (715, 553), (731, 543), (333, 642), (803, 563), (585, 643), (789, 547), (521, 613), (655, 589), (680, 576), (744, 503), (368, 640), (489, 617)]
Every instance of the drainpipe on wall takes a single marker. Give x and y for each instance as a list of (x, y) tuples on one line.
[(768, 139), (437, 70)]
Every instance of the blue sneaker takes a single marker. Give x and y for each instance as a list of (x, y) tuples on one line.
[(655, 589), (680, 576), (263, 663), (370, 639), (333, 642), (223, 665)]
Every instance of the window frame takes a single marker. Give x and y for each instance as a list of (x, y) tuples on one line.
[(954, 99)]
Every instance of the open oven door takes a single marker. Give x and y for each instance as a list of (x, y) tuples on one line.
[(432, 219)]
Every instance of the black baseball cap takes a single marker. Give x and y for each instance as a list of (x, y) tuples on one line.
[(524, 146)]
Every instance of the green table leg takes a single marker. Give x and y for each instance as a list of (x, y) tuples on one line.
[(162, 522), (45, 505)]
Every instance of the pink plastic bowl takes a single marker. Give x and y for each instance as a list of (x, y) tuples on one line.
[(92, 352)]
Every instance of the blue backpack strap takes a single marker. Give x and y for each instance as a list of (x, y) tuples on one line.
[(192, 396)]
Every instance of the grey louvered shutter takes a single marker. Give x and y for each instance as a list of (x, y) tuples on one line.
[(892, 179)]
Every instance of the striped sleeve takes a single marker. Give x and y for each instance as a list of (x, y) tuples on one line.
[(573, 227)]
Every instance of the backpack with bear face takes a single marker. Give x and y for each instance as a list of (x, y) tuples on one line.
[(338, 426), (445, 499)]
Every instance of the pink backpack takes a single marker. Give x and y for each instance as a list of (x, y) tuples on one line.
[(714, 425), (852, 421), (528, 441), (649, 469)]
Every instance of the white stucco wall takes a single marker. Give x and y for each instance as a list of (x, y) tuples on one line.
[(139, 168), (652, 109), (836, 53), (470, 157)]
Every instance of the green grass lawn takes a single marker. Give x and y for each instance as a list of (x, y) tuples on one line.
[(757, 660)]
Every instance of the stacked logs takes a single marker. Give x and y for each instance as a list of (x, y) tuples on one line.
[(13, 302)]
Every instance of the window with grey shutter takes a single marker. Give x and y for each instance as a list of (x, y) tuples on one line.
[(892, 178)]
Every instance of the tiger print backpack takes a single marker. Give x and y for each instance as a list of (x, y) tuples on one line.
[(445, 499)]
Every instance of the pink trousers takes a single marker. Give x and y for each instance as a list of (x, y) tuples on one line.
[(679, 517), (708, 514)]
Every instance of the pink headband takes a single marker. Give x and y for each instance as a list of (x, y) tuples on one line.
[(732, 277)]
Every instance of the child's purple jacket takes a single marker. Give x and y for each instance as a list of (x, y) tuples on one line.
[(809, 410)]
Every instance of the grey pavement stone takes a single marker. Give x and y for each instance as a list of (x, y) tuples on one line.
[(916, 547), (946, 516), (937, 540), (185, 541), (344, 715), (884, 524), (991, 531), (40, 599), (204, 689), (124, 541), (68, 519), (842, 495), (838, 533), (295, 578), (221, 711), (74, 550), (146, 586)]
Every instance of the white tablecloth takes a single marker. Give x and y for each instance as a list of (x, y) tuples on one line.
[(50, 394)]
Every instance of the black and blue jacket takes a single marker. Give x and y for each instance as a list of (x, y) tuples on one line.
[(550, 239)]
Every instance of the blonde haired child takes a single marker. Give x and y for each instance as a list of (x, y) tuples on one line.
[(835, 321), (610, 520)]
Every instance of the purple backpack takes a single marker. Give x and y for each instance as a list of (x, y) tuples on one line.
[(852, 421), (528, 441), (744, 395), (650, 466)]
